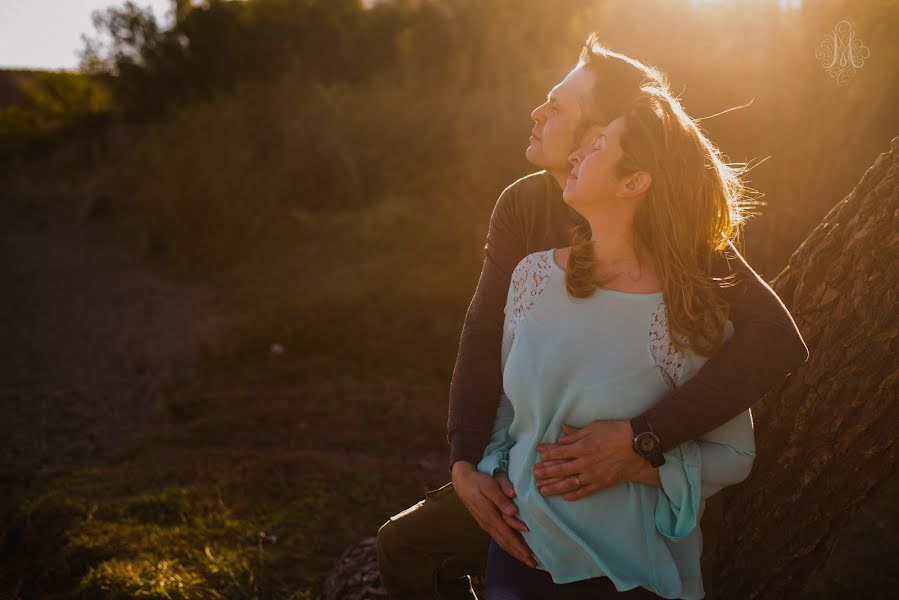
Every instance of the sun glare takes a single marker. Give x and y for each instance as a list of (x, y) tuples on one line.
[(781, 4)]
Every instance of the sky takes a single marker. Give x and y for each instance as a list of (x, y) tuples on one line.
[(46, 34)]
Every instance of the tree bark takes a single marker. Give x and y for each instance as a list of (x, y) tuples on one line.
[(802, 524)]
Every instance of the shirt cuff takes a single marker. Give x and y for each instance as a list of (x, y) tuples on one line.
[(467, 445), (493, 462), (679, 500)]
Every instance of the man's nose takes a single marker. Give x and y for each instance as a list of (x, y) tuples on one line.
[(537, 114), (575, 158)]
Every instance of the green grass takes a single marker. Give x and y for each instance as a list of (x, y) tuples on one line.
[(255, 497)]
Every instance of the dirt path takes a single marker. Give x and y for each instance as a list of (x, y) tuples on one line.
[(88, 339)]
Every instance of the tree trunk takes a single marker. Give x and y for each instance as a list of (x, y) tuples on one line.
[(817, 515)]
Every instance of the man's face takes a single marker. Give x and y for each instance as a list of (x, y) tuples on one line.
[(557, 120), (594, 177)]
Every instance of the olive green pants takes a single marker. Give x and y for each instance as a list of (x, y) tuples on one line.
[(430, 549)]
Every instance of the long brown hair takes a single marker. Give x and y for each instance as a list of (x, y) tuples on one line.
[(693, 207)]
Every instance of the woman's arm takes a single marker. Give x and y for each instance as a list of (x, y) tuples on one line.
[(698, 469), (765, 347), (496, 455)]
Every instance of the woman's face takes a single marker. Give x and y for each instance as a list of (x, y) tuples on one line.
[(593, 176)]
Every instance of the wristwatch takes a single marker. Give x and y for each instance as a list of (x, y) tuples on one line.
[(646, 443)]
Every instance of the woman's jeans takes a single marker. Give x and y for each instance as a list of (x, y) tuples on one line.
[(510, 579)]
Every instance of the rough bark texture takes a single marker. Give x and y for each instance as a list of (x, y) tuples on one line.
[(826, 439), (817, 517)]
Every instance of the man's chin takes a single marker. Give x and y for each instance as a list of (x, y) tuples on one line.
[(534, 157)]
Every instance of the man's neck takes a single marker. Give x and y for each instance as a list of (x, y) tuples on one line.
[(560, 176)]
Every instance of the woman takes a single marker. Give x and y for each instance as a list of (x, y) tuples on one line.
[(602, 330)]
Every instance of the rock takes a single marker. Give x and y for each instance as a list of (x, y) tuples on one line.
[(355, 575)]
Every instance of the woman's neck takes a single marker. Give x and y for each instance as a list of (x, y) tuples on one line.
[(613, 238)]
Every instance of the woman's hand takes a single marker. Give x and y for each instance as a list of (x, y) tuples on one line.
[(601, 454), (489, 500)]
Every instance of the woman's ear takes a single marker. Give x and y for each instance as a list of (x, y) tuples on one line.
[(635, 184)]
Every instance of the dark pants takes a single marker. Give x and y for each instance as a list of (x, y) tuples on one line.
[(430, 549), (510, 579)]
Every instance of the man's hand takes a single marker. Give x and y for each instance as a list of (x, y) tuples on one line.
[(601, 454), (488, 499)]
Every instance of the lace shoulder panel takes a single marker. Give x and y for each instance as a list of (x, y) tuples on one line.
[(528, 281), (667, 357)]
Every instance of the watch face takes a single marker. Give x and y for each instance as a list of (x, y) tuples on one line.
[(647, 443)]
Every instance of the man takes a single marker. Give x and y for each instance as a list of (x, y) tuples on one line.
[(428, 549)]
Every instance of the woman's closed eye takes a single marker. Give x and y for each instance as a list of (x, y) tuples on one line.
[(598, 144)]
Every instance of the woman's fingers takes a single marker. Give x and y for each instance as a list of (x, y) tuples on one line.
[(494, 523), (505, 484), (499, 498), (488, 505), (512, 542), (515, 523), (507, 537), (495, 518)]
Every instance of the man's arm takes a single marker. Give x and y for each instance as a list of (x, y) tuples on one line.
[(764, 348), (477, 384), (477, 379)]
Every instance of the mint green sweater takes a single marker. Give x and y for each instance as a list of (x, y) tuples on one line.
[(606, 357)]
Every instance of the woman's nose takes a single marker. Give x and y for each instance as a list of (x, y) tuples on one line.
[(537, 114), (575, 158)]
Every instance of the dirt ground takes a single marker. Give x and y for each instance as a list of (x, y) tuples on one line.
[(89, 338)]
